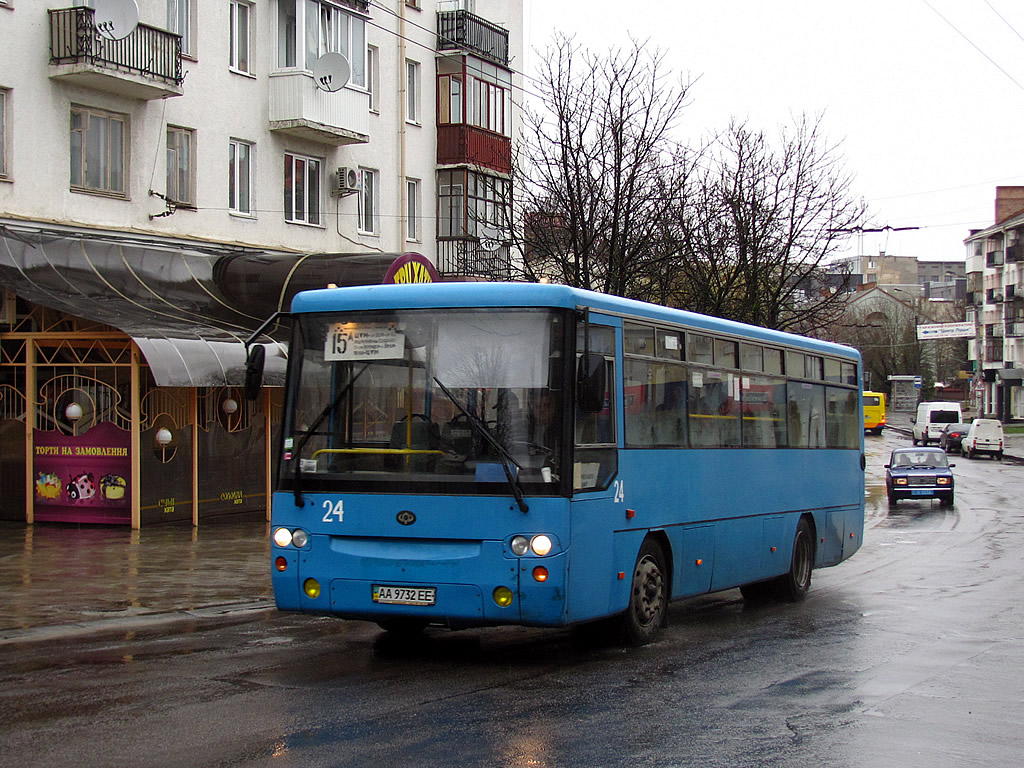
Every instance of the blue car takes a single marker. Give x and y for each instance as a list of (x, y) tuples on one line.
[(919, 473)]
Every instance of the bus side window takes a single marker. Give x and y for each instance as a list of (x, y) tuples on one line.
[(595, 460)]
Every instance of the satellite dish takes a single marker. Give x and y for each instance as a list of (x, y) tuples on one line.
[(115, 19), (490, 239), (331, 72)]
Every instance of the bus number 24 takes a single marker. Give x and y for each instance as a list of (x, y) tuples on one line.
[(620, 491), (333, 511)]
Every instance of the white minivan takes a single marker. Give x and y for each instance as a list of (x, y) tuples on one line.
[(932, 418), (983, 436)]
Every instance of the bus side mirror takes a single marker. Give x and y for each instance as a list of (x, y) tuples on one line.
[(254, 371), (590, 383)]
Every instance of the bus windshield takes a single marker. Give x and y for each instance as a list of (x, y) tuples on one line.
[(414, 401)]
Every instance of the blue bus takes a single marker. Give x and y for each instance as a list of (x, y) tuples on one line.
[(474, 454)]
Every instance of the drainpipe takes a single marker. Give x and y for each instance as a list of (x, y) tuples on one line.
[(403, 78)]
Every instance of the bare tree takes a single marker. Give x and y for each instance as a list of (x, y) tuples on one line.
[(756, 242), (599, 171)]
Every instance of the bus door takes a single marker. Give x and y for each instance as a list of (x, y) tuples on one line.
[(596, 508)]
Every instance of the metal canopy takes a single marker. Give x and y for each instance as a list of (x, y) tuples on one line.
[(188, 305)]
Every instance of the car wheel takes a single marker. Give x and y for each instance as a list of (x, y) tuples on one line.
[(892, 500), (948, 501), (648, 596), (913, 440)]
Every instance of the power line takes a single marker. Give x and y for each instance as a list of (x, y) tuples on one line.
[(973, 45)]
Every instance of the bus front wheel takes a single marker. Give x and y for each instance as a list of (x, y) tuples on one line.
[(648, 596)]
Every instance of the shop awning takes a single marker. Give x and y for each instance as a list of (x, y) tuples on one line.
[(1010, 374), (189, 305)]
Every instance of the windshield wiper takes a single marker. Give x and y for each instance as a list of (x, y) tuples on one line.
[(299, 502), (481, 428)]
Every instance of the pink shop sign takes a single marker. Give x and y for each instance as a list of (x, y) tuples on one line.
[(83, 478)]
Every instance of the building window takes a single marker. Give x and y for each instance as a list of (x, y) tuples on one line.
[(240, 32), (368, 201), (412, 91), (181, 165), (3, 132), (471, 204), (99, 145), (240, 177), (179, 20), (479, 95), (307, 29), (373, 76), (412, 194), (302, 189)]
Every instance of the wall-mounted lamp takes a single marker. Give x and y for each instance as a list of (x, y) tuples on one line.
[(230, 406), (73, 412), (163, 437)]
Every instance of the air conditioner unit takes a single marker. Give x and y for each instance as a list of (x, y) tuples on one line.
[(345, 181)]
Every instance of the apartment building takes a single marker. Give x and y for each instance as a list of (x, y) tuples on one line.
[(172, 171), (995, 302)]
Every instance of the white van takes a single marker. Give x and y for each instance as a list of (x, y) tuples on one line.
[(984, 436), (932, 418)]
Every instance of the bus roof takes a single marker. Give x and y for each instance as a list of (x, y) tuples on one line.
[(490, 294)]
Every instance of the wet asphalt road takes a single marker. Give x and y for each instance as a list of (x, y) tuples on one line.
[(909, 654)]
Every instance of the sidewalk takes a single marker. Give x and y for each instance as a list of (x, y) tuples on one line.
[(59, 581)]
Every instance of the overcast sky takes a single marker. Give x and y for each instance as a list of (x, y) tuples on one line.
[(927, 96)]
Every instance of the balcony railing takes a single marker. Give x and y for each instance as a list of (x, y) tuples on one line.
[(462, 30), (1014, 254), (146, 64), (1015, 328), (994, 258), (299, 108), (468, 144), (464, 257)]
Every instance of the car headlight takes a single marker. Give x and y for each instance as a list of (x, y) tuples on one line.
[(900, 481), (942, 480)]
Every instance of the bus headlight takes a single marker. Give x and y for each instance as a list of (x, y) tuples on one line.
[(519, 545), (300, 538), (541, 545), (282, 537), (502, 596)]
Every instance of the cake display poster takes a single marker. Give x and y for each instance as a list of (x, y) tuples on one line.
[(83, 478)]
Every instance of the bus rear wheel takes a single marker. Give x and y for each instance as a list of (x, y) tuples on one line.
[(647, 611), (793, 586)]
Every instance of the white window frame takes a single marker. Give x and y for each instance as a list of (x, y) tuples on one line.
[(373, 76), (240, 39), (239, 182), (181, 171), (412, 210), (300, 41), (369, 201), (113, 170), (311, 210), (412, 91), (180, 16)]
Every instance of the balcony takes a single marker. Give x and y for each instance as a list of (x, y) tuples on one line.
[(299, 108), (994, 353), (458, 144), (1015, 328), (1011, 293), (1014, 254), (463, 257), (144, 65), (464, 31), (994, 258), (993, 296)]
